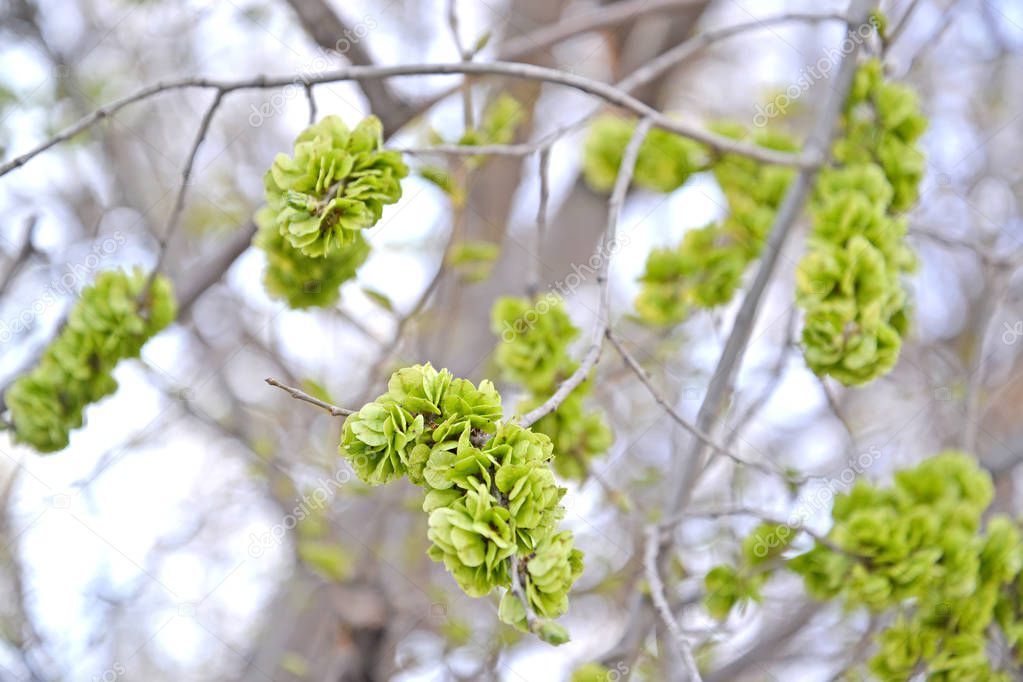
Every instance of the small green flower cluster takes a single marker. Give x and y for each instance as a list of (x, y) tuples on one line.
[(336, 184), (299, 280), (705, 269), (114, 318), (924, 551), (665, 160), (535, 338), (849, 282), (492, 500)]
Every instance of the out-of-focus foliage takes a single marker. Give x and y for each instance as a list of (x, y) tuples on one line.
[(849, 283), (919, 550), (534, 352), (705, 269), (112, 320), (302, 281), (664, 163)]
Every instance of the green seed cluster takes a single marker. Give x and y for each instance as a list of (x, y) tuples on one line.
[(922, 551), (299, 280), (335, 185), (849, 283), (492, 500), (498, 124), (706, 268), (114, 318), (664, 163), (535, 339)]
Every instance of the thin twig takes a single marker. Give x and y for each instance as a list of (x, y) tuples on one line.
[(645, 379), (186, 174), (19, 259), (466, 55), (614, 210), (892, 36), (653, 579), (543, 161), (757, 513), (680, 53), (607, 15), (298, 394), (311, 99), (520, 592)]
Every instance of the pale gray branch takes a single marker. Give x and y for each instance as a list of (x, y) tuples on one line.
[(653, 579), (609, 93), (299, 394), (614, 211)]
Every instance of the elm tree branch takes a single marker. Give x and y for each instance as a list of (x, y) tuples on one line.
[(299, 394), (614, 211), (653, 578), (645, 379), (186, 175), (609, 93), (735, 346)]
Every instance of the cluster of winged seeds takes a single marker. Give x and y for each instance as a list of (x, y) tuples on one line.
[(335, 184), (112, 320), (849, 283), (318, 202), (303, 281), (492, 500), (921, 551), (534, 353), (705, 269)]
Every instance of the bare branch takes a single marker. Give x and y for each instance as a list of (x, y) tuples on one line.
[(186, 174), (653, 579), (298, 394), (614, 211), (609, 93), (19, 259), (645, 379), (675, 56), (604, 17)]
